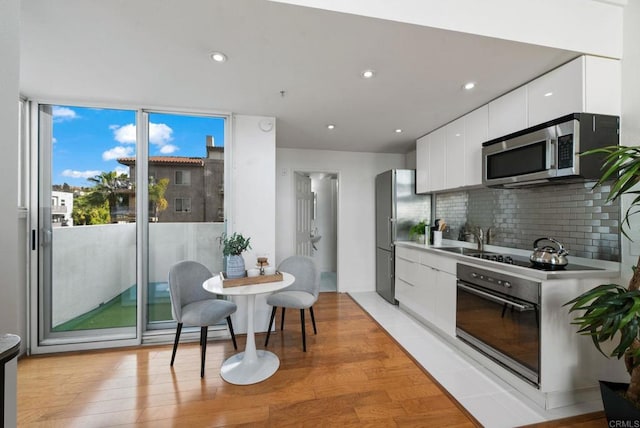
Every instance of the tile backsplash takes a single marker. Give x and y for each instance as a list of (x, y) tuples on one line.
[(575, 214)]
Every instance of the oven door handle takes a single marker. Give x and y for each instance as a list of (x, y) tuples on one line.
[(496, 299)]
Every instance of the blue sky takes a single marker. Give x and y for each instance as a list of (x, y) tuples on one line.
[(87, 141)]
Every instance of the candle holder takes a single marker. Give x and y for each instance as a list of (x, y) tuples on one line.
[(262, 262)]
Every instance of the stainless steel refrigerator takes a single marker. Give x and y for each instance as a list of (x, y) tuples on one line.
[(397, 209)]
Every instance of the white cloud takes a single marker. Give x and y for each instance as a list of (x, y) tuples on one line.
[(168, 149), (160, 134), (62, 114), (117, 152), (54, 140), (79, 174), (124, 134)]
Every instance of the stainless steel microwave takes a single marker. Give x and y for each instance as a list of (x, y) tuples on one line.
[(549, 152)]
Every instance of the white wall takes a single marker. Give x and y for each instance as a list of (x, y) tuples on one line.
[(12, 273), (11, 314), (356, 227), (613, 370), (252, 202), (588, 26), (411, 160), (630, 122)]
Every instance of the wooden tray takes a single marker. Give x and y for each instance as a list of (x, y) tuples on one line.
[(249, 280)]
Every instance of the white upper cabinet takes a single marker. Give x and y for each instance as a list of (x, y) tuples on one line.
[(451, 156), (454, 154), (437, 147), (476, 132), (556, 93), (423, 183), (508, 113), (586, 84), (603, 86)]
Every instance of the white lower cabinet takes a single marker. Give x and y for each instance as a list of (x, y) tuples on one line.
[(427, 296), (446, 302), (427, 287), (405, 292), (407, 277)]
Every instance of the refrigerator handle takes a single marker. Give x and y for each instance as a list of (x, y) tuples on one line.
[(392, 267), (392, 231)]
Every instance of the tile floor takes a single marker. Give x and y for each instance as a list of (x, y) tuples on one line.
[(491, 401)]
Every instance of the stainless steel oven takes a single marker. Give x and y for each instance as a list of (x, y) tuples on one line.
[(499, 315)]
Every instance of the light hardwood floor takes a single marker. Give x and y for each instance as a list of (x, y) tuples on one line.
[(352, 375)]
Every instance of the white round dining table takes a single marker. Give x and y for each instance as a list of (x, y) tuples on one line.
[(252, 365)]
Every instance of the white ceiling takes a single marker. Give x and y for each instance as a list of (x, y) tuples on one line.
[(154, 53)]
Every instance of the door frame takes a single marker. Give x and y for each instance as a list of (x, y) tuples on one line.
[(337, 175)]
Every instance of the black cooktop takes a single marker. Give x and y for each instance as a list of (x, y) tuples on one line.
[(525, 262)]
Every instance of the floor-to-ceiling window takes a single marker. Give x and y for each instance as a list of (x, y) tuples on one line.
[(94, 243), (186, 201)]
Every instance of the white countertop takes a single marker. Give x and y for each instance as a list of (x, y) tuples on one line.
[(609, 269)]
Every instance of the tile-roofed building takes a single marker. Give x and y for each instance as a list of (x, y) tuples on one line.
[(166, 160), (196, 186)]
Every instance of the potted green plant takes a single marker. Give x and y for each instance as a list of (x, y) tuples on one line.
[(417, 232), (232, 248), (611, 312)]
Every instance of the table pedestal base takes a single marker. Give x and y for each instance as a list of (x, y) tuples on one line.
[(237, 371)]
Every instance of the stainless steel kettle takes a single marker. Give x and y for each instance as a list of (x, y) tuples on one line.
[(548, 256)]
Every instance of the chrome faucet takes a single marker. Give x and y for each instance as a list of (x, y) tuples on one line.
[(489, 235), (479, 234)]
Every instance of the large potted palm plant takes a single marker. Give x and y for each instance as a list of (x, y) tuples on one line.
[(610, 313)]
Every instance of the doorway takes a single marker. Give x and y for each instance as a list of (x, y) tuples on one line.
[(317, 223)]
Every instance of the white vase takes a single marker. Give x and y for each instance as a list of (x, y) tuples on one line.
[(235, 266)]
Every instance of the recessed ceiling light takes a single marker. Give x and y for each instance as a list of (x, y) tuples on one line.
[(469, 85), (218, 56), (331, 126), (548, 94), (368, 74), (398, 131)]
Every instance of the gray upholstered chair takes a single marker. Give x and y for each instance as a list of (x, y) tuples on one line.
[(302, 294), (193, 305)]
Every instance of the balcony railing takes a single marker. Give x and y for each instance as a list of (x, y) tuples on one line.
[(59, 209), (96, 265)]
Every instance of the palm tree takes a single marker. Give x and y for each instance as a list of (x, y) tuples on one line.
[(110, 187), (156, 196)]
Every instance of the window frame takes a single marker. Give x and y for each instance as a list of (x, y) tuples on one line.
[(183, 173), (182, 199)]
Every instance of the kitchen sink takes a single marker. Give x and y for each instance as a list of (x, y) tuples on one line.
[(459, 250), (465, 251)]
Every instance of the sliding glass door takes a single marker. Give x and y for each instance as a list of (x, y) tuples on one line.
[(121, 195), (186, 202), (87, 231)]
